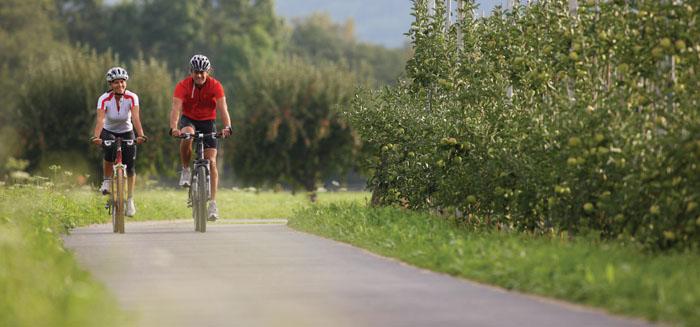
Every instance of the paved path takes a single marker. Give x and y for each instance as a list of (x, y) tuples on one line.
[(270, 275)]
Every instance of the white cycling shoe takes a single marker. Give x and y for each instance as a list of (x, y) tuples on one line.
[(213, 212), (106, 185), (185, 176), (130, 207)]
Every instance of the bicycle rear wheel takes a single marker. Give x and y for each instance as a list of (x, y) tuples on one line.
[(201, 194), (119, 200)]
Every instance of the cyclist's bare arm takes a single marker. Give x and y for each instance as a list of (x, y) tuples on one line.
[(99, 124), (222, 108), (175, 115), (136, 119)]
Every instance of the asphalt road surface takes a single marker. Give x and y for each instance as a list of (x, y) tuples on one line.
[(253, 274)]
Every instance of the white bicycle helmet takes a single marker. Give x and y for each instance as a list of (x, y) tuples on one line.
[(116, 73), (200, 63)]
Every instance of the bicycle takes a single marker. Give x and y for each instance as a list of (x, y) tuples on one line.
[(200, 186), (116, 203)]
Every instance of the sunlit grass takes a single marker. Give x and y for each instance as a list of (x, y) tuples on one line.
[(166, 204), (611, 275), (40, 283)]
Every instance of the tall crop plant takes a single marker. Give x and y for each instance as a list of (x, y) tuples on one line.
[(57, 105), (287, 130)]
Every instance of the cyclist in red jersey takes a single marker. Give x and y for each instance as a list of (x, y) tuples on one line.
[(196, 100)]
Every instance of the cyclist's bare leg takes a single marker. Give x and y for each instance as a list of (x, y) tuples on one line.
[(107, 169), (214, 173), (131, 182), (186, 147)]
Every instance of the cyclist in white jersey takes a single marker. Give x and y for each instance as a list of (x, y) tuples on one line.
[(117, 116)]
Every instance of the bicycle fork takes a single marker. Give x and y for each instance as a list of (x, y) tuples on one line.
[(110, 200)]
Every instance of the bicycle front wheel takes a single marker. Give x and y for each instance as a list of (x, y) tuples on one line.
[(201, 198), (119, 181), (112, 206), (194, 202)]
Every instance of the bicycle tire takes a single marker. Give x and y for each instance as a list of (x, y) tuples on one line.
[(194, 200), (120, 200), (201, 198), (112, 206)]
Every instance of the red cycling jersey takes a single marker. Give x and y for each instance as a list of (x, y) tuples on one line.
[(199, 103)]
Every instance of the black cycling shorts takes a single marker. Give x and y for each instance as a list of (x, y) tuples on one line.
[(128, 152), (202, 126)]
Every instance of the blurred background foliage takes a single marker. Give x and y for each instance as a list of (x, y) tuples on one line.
[(288, 128), (55, 53)]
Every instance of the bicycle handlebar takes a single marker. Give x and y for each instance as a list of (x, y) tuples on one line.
[(187, 136), (110, 142)]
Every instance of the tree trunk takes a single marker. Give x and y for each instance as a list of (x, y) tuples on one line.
[(310, 186)]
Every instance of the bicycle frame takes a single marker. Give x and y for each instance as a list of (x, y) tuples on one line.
[(195, 200), (199, 160), (117, 200)]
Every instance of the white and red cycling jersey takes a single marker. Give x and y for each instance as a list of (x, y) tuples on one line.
[(118, 112)]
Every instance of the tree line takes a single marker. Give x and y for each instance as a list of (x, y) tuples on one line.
[(285, 82)]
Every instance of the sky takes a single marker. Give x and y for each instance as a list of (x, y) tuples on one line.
[(376, 21)]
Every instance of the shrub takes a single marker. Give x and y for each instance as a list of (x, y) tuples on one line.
[(539, 119)]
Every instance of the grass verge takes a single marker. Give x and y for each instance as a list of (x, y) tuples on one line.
[(166, 204), (40, 283), (616, 277)]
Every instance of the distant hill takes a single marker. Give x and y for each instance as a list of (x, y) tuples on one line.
[(376, 21)]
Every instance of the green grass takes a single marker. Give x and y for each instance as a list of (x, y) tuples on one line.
[(610, 275), (40, 283), (165, 204)]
